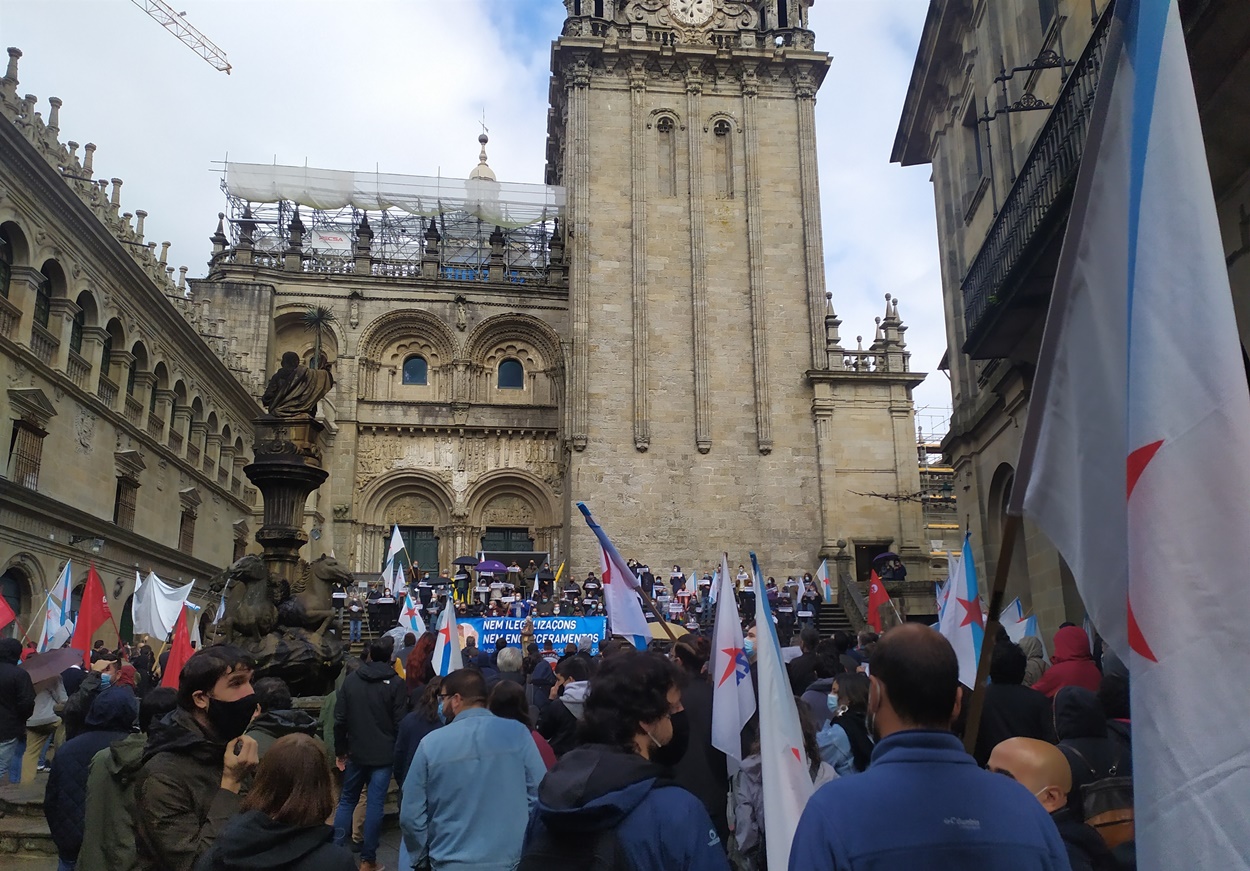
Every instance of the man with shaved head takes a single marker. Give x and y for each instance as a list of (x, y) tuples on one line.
[(1044, 771), (922, 804)]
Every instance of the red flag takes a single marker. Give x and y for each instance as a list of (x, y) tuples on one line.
[(92, 614), (6, 613), (878, 598), (179, 652)]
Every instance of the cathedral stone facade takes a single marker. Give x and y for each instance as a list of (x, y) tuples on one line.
[(649, 333)]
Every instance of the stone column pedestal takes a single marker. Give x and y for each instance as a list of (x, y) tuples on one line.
[(287, 467)]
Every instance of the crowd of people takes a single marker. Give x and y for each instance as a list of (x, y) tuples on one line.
[(544, 759)]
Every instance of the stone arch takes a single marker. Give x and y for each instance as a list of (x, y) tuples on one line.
[(996, 520), (524, 338), (19, 246), (512, 484), (58, 281), (22, 584), (395, 336), (161, 371), (89, 306), (386, 490), (290, 335)]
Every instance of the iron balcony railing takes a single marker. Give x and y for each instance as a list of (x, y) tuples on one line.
[(1040, 195)]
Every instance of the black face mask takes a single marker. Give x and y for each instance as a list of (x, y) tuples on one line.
[(230, 719), (672, 752)]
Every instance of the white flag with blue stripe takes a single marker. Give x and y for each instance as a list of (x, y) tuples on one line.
[(1134, 460), (447, 647)]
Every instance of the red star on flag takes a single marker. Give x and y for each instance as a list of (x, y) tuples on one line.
[(972, 612), (732, 666), (410, 612)]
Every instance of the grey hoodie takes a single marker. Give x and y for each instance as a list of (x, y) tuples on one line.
[(574, 697)]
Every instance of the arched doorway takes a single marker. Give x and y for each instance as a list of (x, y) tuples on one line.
[(15, 589)]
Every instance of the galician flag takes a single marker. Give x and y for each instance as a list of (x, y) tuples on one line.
[(410, 615), (1134, 462), (962, 621), (733, 701), (57, 627), (394, 573), (822, 577), (619, 584), (784, 767), (447, 647)]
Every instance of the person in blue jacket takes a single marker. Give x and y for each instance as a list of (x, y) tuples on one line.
[(606, 803), (923, 804)]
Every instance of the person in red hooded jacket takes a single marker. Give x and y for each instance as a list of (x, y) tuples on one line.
[(1072, 665)]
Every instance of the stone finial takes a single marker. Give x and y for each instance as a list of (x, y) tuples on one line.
[(72, 147), (28, 108), (151, 252), (88, 157), (182, 278), (10, 74), (117, 192), (431, 232), (139, 215), (218, 238), (165, 254), (887, 306), (54, 113)]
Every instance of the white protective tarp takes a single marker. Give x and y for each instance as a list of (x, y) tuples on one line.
[(156, 607), (506, 204)]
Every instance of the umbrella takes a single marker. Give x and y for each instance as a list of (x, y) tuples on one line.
[(41, 666), (546, 575), (492, 565), (442, 581), (465, 561), (884, 556)]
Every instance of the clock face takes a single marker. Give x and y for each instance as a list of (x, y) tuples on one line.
[(692, 12)]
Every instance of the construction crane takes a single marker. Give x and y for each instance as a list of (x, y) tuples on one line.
[(173, 21)]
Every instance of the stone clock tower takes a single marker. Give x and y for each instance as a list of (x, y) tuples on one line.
[(709, 403)]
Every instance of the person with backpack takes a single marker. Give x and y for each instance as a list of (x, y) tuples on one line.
[(607, 805), (1093, 755)]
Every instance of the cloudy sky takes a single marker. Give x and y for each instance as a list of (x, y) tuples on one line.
[(403, 84)]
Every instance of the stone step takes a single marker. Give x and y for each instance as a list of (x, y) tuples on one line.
[(23, 799), (25, 835)]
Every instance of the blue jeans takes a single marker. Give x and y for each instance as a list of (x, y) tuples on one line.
[(354, 779), (8, 751), (355, 630)]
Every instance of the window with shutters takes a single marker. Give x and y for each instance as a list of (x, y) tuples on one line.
[(186, 532), (25, 454), (124, 503)]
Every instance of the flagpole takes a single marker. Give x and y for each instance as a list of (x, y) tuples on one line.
[(977, 705)]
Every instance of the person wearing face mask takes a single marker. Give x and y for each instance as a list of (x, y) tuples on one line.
[(844, 741), (982, 822), (196, 760), (1041, 768), (471, 784), (610, 799)]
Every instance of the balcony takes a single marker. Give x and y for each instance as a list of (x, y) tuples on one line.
[(134, 410), (193, 452), (1007, 289), (44, 344), (106, 390), (9, 317), (175, 440), (156, 427), (78, 370)]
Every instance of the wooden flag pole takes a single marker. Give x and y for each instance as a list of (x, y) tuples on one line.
[(977, 705), (651, 607)]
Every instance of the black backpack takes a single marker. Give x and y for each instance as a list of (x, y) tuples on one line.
[(604, 853)]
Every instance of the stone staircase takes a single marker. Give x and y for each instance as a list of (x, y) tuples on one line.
[(24, 832)]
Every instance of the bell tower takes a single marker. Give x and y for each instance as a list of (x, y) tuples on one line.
[(684, 132)]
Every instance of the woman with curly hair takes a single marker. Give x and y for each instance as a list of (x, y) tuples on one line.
[(419, 666), (607, 800)]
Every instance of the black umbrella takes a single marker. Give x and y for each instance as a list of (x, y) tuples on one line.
[(546, 575), (442, 581), (884, 556), (41, 666), (464, 561)]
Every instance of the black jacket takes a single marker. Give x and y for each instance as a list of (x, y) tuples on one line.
[(253, 842), (367, 714), (65, 798), (701, 769), (272, 725), (1011, 711), (412, 729), (1082, 734), (17, 693), (1087, 851), (802, 670), (79, 703)]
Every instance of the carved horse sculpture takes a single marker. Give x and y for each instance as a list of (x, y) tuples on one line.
[(310, 605), (250, 611)]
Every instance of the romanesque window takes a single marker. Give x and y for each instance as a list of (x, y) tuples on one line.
[(43, 301), (416, 370), (511, 375), (125, 501), (666, 156), (723, 146), (25, 454)]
